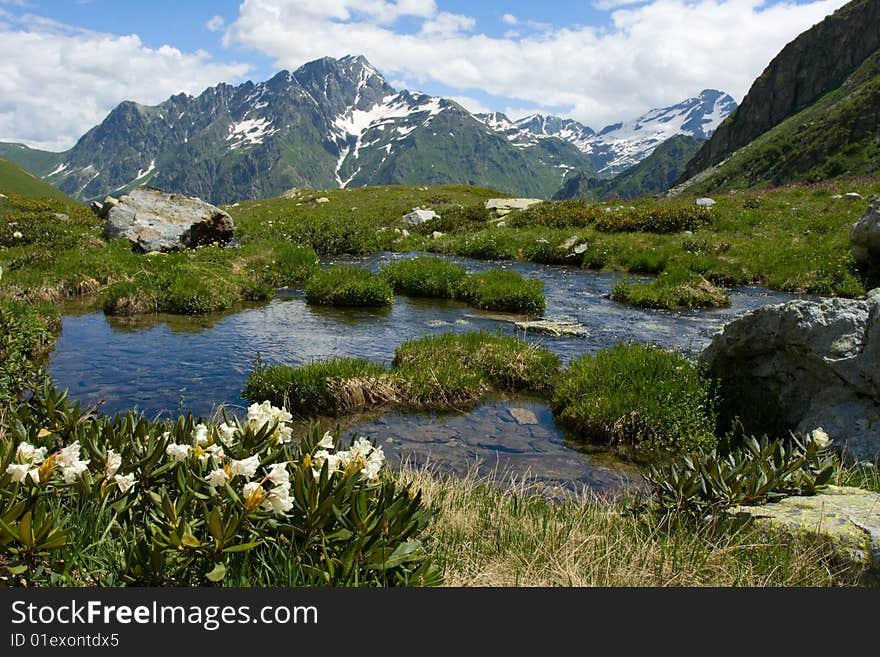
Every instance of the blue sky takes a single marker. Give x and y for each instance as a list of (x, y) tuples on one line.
[(65, 64)]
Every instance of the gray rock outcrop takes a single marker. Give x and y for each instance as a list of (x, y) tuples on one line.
[(504, 206), (419, 216), (818, 361), (865, 237), (153, 220)]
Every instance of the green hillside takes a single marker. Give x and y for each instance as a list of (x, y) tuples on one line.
[(16, 180), (39, 162), (838, 136)]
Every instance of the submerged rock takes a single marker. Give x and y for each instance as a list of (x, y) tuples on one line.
[(524, 416), (848, 517), (155, 221), (865, 236), (816, 362)]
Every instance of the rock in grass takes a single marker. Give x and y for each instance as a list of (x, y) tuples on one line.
[(504, 206), (865, 237), (155, 221), (704, 202), (848, 517), (812, 363), (419, 216)]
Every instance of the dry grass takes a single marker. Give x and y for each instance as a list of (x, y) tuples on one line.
[(489, 534)]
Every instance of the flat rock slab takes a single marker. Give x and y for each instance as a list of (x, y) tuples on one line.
[(524, 416), (849, 517), (153, 220), (503, 206), (419, 216), (554, 328)]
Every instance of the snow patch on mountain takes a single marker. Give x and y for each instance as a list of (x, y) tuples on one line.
[(249, 132)]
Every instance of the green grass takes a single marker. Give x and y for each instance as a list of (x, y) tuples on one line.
[(445, 371), (498, 289), (16, 180), (348, 286), (426, 277), (26, 337), (504, 290), (636, 397)]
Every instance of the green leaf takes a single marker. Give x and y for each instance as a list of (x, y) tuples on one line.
[(217, 574), (17, 570), (189, 540), (242, 547)]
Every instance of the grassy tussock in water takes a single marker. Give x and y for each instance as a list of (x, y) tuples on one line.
[(636, 396), (436, 372), (348, 286), (498, 289), (672, 289)]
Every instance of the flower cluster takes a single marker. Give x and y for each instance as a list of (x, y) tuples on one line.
[(276, 499), (29, 459), (261, 415), (363, 457)]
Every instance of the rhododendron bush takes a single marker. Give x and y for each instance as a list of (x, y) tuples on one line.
[(190, 503)]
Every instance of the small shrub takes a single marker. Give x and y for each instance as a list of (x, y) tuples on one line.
[(755, 472), (674, 288), (330, 236), (655, 219), (457, 218), (348, 286), (556, 214), (426, 277), (505, 291), (636, 396), (25, 337), (490, 244)]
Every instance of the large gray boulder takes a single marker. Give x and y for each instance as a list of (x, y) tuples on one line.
[(153, 220), (865, 237), (819, 361)]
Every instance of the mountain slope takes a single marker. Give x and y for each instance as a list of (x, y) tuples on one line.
[(655, 174), (16, 180), (815, 63), (42, 163), (839, 135)]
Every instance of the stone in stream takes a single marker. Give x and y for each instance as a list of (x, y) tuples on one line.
[(524, 416), (816, 362), (554, 328), (153, 220), (847, 517), (864, 238)]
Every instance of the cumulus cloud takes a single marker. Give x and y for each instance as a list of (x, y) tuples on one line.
[(215, 23), (471, 104), (650, 55), (509, 19), (57, 82)]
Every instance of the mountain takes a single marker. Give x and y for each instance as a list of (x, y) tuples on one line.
[(817, 62), (653, 175), (16, 180), (338, 123), (619, 146)]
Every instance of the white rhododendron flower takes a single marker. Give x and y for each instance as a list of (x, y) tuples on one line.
[(125, 482), (374, 463), (68, 459), (245, 467), (278, 500), (114, 462), (260, 415), (200, 435), (326, 442), (819, 437), (18, 471), (215, 451), (227, 433), (334, 462), (218, 478), (27, 453), (179, 453), (278, 474)]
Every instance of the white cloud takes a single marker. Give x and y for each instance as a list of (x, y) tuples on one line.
[(517, 113), (471, 104), (606, 5), (215, 23), (57, 82), (650, 56), (509, 19), (446, 24)]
